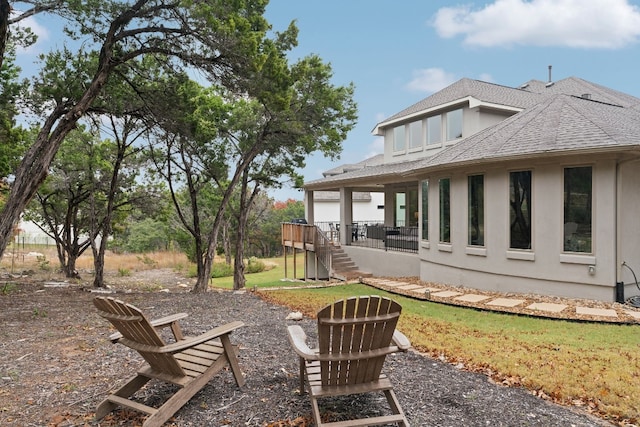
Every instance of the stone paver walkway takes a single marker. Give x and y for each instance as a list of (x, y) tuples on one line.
[(522, 304)]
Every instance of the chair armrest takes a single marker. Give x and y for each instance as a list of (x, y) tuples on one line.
[(298, 340), (401, 340), (156, 323), (185, 343)]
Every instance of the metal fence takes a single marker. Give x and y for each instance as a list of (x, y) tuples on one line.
[(374, 235)]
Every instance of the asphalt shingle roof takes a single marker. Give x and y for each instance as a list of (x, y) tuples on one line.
[(559, 124), (568, 116)]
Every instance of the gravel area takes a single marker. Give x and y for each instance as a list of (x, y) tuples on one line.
[(56, 364)]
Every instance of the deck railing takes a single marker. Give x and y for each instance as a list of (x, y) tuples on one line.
[(372, 234), (309, 237)]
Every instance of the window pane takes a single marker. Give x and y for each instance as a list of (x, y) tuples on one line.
[(412, 208), (454, 125), (434, 130), (577, 209), (476, 210), (520, 210), (398, 138), (400, 210), (415, 130), (445, 211), (425, 210)]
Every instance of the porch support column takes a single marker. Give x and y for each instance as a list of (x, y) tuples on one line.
[(346, 215), (308, 206), (389, 206)]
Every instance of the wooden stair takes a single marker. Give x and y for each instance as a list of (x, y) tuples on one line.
[(343, 267)]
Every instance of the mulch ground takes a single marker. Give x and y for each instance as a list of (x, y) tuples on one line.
[(56, 364)]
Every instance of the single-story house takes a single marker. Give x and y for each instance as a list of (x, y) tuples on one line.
[(532, 189)]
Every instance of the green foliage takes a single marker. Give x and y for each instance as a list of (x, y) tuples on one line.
[(43, 263), (147, 260), (8, 288), (147, 235), (221, 269), (124, 272), (255, 265), (37, 312)]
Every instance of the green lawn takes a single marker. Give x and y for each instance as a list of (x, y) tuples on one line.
[(593, 365)]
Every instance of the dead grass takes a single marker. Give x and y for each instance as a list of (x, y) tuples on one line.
[(38, 257)]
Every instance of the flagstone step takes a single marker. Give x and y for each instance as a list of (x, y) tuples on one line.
[(490, 302)]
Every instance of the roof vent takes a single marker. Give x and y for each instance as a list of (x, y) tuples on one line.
[(586, 96), (524, 86), (549, 84)]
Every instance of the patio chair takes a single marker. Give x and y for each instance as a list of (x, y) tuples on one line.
[(354, 337), (189, 362)]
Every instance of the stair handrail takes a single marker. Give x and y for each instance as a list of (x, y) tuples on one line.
[(323, 245)]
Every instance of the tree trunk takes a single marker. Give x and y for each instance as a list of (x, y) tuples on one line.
[(239, 281), (227, 242), (34, 167), (70, 268), (5, 11)]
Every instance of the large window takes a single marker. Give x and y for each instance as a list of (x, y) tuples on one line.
[(434, 129), (520, 210), (476, 210), (425, 210), (454, 124), (398, 138), (577, 209), (415, 130), (445, 210), (400, 209)]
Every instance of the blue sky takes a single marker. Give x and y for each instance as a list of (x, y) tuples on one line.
[(397, 53)]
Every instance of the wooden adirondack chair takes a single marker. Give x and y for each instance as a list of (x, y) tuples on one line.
[(189, 362), (354, 337)]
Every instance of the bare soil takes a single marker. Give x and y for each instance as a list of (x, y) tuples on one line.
[(56, 364)]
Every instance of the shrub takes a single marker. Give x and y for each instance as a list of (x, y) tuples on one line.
[(221, 269), (255, 265)]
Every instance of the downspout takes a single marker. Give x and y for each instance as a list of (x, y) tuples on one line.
[(619, 283)]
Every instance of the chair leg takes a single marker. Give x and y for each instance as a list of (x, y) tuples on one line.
[(395, 407), (302, 375), (315, 411), (182, 396), (133, 385), (232, 358)]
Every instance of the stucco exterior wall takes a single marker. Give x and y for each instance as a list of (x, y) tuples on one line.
[(329, 211), (543, 269), (629, 225), (384, 263)]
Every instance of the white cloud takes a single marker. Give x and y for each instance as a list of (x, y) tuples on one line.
[(430, 80), (605, 24), (376, 147), (39, 30), (486, 77)]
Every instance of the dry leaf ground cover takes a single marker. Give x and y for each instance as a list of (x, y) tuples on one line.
[(56, 363)]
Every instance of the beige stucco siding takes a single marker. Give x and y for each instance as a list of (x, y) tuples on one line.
[(629, 223), (543, 269)]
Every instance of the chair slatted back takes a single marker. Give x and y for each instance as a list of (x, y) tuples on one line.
[(351, 327), (134, 326)]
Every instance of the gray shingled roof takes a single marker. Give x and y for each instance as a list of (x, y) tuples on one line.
[(559, 124), (486, 92), (527, 95), (370, 161), (380, 171), (560, 121)]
